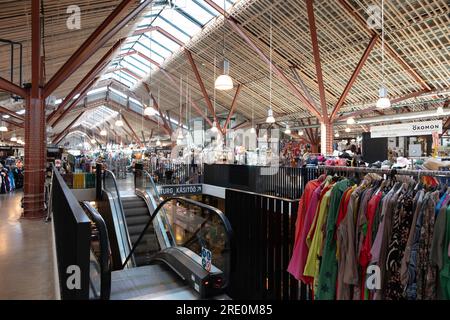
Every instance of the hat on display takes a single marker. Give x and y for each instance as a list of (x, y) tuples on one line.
[(376, 164), (321, 158), (386, 164), (402, 162), (330, 162)]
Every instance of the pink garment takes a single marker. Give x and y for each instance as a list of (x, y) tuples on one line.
[(300, 252)]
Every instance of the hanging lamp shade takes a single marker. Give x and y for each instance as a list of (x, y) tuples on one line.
[(347, 129), (440, 111), (3, 127), (14, 138), (180, 135), (383, 101), (103, 132), (270, 118), (119, 121), (149, 111), (224, 81), (92, 141), (351, 120), (252, 130), (214, 127), (336, 134), (300, 133), (287, 130), (158, 143)]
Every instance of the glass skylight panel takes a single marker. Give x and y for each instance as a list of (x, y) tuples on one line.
[(98, 90), (140, 62), (164, 41), (118, 92), (197, 12), (181, 21), (135, 101), (173, 30), (133, 68)]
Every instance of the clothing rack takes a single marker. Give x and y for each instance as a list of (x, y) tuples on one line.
[(418, 173)]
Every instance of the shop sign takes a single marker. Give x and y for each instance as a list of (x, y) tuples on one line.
[(177, 190), (407, 129)]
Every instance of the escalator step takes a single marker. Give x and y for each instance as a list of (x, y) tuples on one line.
[(148, 236), (136, 212), (137, 220), (134, 204)]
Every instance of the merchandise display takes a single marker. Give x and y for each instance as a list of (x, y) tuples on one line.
[(347, 226)]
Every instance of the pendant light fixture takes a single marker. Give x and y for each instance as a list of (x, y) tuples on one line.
[(351, 121), (440, 111), (119, 121), (93, 141), (214, 128), (19, 140), (287, 130), (14, 138), (270, 117), (336, 135), (224, 81), (253, 130), (158, 142), (3, 127), (150, 110), (383, 100), (347, 130), (300, 132)]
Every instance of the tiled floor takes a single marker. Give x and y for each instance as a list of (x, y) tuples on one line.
[(26, 268)]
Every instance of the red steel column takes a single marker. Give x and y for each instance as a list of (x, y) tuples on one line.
[(35, 133), (326, 138)]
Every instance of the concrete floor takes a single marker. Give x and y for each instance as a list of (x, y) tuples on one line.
[(26, 260)]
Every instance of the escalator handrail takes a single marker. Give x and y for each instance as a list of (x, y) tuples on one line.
[(122, 212), (105, 252), (222, 217)]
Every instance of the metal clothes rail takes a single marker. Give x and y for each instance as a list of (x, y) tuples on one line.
[(434, 173)]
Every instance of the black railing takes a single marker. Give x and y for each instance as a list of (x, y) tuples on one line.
[(175, 173), (104, 254), (264, 232), (72, 229), (284, 182)]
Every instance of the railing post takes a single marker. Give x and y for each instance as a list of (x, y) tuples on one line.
[(98, 182)]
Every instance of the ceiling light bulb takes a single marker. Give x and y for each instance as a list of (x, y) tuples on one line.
[(13, 138), (351, 120), (158, 142), (119, 122), (224, 81), (383, 102), (6, 116), (347, 129), (180, 135), (252, 130), (440, 111), (3, 128), (19, 140), (288, 130), (270, 117), (336, 134), (300, 133), (92, 141), (214, 127), (103, 132)]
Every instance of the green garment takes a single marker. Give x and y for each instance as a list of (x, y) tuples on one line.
[(444, 274), (326, 286)]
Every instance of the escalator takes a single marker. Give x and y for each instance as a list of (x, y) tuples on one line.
[(174, 248), (136, 217)]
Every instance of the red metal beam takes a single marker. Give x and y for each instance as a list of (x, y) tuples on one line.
[(373, 108), (10, 113), (294, 90), (8, 86), (240, 125), (389, 49), (160, 30), (316, 53), (202, 86), (19, 125), (94, 42), (148, 59), (355, 74), (64, 132), (99, 66), (194, 104), (132, 131), (233, 107), (75, 103)]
